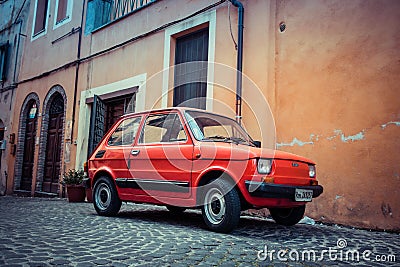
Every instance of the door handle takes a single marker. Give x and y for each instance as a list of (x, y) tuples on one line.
[(135, 152)]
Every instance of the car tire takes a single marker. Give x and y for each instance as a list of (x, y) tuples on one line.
[(105, 197), (175, 209), (287, 216), (220, 206)]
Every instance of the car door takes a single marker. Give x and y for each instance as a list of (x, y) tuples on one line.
[(118, 149), (162, 158)]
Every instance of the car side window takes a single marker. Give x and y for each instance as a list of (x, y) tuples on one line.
[(163, 128), (125, 133)]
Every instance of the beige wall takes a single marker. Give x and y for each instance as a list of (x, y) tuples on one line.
[(13, 21), (41, 88), (330, 80), (53, 49), (41, 56)]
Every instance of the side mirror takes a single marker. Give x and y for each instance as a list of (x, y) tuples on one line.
[(257, 143)]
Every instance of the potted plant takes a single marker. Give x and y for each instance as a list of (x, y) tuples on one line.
[(75, 189)]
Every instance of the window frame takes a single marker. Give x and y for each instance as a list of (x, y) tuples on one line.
[(139, 117), (4, 49), (68, 14), (194, 128), (140, 140), (43, 31), (181, 83)]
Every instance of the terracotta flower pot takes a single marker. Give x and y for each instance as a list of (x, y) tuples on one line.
[(76, 193)]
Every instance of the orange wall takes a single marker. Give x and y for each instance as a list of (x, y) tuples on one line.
[(41, 88), (331, 80), (337, 84)]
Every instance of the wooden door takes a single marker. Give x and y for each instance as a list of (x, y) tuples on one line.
[(29, 147), (54, 143)]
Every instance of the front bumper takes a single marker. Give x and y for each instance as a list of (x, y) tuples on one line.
[(266, 190)]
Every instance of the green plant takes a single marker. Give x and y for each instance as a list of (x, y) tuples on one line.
[(73, 177)]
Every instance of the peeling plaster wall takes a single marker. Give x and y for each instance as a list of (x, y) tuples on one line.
[(337, 85)]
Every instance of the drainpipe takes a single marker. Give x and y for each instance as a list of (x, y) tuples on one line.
[(239, 66), (78, 56), (17, 50)]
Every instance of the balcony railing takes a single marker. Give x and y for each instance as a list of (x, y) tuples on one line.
[(103, 12), (121, 8)]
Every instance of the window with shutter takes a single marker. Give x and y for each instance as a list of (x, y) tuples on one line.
[(191, 55)]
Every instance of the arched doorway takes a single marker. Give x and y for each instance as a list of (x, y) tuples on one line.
[(3, 182), (52, 164), (29, 146)]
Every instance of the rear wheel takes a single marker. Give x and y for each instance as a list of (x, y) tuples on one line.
[(105, 197), (287, 216), (221, 206)]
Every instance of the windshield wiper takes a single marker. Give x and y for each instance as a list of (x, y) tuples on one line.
[(217, 137), (239, 140), (236, 140)]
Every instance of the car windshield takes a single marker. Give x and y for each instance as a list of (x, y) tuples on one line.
[(212, 127)]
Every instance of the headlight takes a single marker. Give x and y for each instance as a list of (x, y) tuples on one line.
[(264, 166), (311, 171)]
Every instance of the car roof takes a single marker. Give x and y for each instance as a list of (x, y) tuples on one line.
[(181, 109)]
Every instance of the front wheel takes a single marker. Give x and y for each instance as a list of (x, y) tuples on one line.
[(221, 209), (287, 216), (105, 197)]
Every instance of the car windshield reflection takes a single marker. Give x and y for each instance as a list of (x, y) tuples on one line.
[(212, 127)]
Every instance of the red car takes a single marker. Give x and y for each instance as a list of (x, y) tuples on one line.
[(188, 158)]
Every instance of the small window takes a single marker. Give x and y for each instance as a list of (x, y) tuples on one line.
[(61, 10), (163, 128), (40, 16), (3, 61), (125, 132), (33, 111)]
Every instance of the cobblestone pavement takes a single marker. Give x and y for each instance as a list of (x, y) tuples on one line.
[(53, 232)]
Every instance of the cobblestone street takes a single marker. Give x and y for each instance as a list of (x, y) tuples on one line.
[(53, 232)]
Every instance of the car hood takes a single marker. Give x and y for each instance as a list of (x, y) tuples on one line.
[(231, 151)]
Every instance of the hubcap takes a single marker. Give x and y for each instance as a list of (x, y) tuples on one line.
[(214, 206), (103, 196)]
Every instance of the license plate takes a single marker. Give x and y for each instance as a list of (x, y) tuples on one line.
[(303, 195)]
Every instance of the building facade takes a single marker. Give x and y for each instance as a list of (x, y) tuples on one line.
[(320, 79), (13, 23)]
